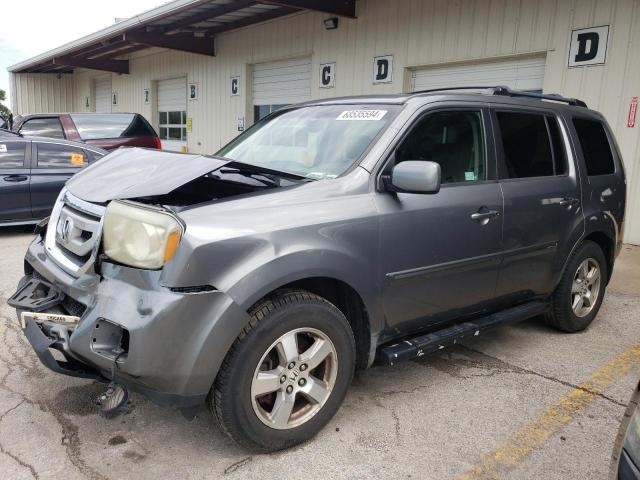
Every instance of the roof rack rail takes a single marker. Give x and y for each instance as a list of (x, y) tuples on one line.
[(508, 92)]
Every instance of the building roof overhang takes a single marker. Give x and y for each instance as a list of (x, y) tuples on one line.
[(184, 25)]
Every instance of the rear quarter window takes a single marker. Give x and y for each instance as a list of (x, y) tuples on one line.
[(42, 127), (596, 149), (111, 125), (51, 155)]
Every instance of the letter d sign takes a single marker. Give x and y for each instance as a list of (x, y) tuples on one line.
[(383, 69), (588, 46)]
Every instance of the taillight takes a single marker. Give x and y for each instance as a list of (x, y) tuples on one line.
[(158, 143)]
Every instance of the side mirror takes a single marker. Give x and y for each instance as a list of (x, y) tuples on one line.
[(415, 177)]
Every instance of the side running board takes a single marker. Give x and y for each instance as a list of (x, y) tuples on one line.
[(431, 342)]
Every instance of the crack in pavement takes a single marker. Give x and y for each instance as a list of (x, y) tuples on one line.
[(11, 455), (499, 367), (525, 371), (70, 439), (236, 465)]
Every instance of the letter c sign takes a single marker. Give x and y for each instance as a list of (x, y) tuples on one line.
[(327, 75), (235, 86), (588, 46)]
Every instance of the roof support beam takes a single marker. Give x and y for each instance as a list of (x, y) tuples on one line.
[(107, 65), (215, 11), (184, 43), (344, 8), (263, 17), (96, 52)]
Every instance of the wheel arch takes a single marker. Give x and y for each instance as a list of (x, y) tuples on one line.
[(607, 245), (348, 301)]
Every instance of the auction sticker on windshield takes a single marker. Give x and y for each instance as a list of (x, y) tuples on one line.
[(362, 115), (3, 148)]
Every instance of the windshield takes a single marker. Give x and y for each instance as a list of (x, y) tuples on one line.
[(315, 142)]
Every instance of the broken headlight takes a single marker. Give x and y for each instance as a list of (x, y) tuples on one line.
[(140, 236)]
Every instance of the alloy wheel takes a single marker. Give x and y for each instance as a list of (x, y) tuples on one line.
[(585, 287), (294, 378)]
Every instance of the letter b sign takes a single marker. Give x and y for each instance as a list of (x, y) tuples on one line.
[(588, 46)]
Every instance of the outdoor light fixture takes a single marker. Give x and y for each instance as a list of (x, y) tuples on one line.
[(331, 23)]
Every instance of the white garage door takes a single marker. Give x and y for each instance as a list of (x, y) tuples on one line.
[(276, 84), (522, 74), (172, 113), (103, 94)]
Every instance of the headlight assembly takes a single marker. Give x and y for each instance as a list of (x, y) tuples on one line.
[(140, 236)]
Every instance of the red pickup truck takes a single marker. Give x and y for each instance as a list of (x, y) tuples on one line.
[(104, 130)]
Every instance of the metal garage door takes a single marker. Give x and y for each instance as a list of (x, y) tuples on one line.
[(103, 94), (523, 74), (276, 84), (172, 113)]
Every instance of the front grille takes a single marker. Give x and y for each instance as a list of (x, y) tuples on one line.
[(73, 307), (73, 234)]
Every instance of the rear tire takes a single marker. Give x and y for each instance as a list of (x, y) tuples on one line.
[(578, 297), (286, 374)]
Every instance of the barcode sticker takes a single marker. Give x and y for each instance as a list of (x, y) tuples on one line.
[(3, 148), (362, 115)]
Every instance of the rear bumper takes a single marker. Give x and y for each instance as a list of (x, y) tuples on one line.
[(167, 345)]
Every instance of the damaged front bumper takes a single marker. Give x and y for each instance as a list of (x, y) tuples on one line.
[(166, 343)]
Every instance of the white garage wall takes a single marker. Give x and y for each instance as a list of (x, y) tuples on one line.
[(419, 33), (42, 92)]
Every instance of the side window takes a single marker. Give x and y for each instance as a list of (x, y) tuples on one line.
[(453, 139), (595, 147), (51, 155), (526, 145), (12, 154), (42, 127)]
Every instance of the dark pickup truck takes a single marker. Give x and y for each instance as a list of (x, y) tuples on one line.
[(104, 130)]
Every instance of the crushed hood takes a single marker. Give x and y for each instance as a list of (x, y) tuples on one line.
[(139, 172)]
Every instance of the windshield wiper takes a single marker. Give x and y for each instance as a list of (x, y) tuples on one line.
[(260, 177), (264, 171)]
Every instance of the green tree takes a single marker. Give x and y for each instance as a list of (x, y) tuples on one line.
[(4, 111)]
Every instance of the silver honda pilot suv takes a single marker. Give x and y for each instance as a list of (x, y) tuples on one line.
[(330, 236)]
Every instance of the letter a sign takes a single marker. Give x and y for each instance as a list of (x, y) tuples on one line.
[(589, 46)]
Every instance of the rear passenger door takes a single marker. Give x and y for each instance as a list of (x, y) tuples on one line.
[(543, 217), (14, 181), (52, 165)]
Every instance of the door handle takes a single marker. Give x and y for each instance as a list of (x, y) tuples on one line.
[(569, 202), (488, 215), (16, 178)]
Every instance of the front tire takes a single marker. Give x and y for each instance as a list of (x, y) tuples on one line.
[(578, 297), (286, 374)]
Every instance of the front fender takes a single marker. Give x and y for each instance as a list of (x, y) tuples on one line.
[(359, 274)]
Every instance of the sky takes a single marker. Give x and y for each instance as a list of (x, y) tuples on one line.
[(34, 26)]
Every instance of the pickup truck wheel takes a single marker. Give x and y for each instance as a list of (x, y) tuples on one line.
[(286, 374), (578, 297)]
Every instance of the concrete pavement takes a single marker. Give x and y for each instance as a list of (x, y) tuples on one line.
[(434, 418)]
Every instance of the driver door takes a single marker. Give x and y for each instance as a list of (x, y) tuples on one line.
[(440, 252)]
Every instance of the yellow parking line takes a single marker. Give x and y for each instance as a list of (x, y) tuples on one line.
[(536, 432)]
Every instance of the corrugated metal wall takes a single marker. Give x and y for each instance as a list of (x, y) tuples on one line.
[(418, 33), (42, 92)]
